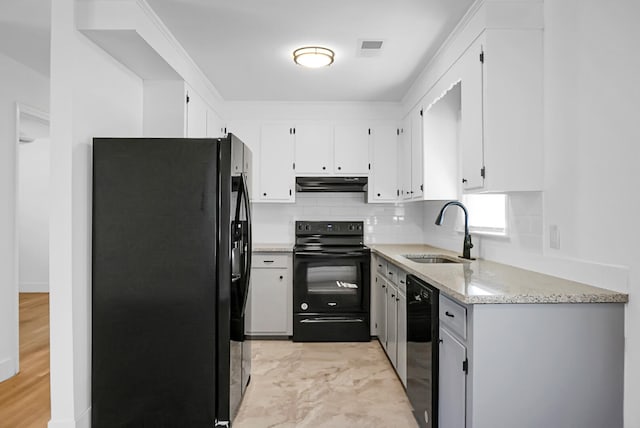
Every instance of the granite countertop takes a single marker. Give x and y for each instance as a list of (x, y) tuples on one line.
[(261, 247), (482, 281)]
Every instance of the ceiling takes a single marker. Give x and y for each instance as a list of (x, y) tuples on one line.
[(245, 46), (25, 32)]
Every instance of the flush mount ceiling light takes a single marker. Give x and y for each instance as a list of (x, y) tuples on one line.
[(313, 56)]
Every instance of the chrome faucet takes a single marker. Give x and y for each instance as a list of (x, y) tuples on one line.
[(466, 249)]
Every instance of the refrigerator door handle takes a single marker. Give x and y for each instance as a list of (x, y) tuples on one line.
[(248, 249)]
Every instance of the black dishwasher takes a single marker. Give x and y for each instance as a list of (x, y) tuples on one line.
[(422, 351)]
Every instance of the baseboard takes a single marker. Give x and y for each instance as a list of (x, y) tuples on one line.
[(83, 421), (7, 369), (34, 287)]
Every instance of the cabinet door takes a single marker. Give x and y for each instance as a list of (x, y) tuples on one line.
[(314, 148), (452, 382), (401, 366), (417, 147), (471, 121), (405, 159), (383, 184), (392, 326), (196, 116), (215, 125), (277, 179), (269, 309), (381, 310), (351, 148)]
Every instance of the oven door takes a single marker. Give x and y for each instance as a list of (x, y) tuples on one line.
[(331, 281)]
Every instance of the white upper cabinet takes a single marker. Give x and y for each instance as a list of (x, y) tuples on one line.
[(314, 148), (383, 181), (405, 163), (502, 119), (277, 179), (417, 178), (196, 115), (351, 148), (215, 125)]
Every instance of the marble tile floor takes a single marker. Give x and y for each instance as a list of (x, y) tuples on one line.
[(314, 385)]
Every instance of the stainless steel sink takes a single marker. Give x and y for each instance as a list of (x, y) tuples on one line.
[(430, 258)]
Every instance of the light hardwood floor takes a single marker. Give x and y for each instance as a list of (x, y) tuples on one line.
[(24, 399)]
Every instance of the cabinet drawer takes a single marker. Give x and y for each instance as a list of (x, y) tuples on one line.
[(381, 266), (270, 260), (453, 316), (401, 281), (392, 273)]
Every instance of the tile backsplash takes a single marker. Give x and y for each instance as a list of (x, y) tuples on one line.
[(384, 223)]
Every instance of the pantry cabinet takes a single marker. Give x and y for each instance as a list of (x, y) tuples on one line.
[(277, 178)]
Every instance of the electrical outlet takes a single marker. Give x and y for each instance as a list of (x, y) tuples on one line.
[(554, 236)]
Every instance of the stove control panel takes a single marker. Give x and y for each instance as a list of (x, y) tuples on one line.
[(329, 228)]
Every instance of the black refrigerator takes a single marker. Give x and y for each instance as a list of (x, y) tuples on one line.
[(171, 256)]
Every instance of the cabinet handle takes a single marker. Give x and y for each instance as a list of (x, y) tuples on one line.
[(397, 300), (384, 286), (379, 265), (393, 295), (401, 282), (449, 314), (464, 180), (390, 273)]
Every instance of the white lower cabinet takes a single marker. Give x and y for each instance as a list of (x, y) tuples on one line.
[(391, 313), (452, 387), (401, 363), (270, 305), (392, 324), (381, 309)]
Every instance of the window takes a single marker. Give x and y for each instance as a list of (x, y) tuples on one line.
[(487, 213)]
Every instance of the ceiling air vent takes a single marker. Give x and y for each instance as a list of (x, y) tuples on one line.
[(369, 47)]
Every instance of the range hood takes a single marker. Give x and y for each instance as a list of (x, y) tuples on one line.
[(331, 184)]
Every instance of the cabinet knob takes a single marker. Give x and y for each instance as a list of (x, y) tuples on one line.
[(384, 286), (397, 300), (393, 295), (281, 277), (339, 168), (324, 167), (264, 194), (390, 273), (464, 180), (378, 194)]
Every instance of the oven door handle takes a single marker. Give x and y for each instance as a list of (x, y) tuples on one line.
[(329, 319), (332, 254)]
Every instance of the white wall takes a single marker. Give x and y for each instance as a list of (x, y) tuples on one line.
[(91, 95), (33, 215), (18, 83), (591, 90), (383, 223)]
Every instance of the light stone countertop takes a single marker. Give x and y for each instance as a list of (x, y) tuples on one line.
[(261, 247), (483, 281)]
